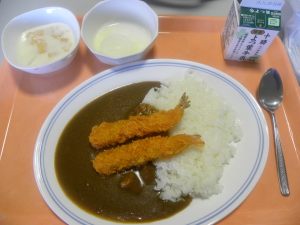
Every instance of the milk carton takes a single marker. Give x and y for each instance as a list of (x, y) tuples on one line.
[(250, 28)]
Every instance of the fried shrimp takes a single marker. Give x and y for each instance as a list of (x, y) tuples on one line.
[(112, 133), (142, 151)]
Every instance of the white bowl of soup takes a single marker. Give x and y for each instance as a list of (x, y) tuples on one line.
[(42, 40), (118, 32)]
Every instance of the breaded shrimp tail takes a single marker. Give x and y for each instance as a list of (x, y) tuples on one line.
[(113, 133), (142, 151)]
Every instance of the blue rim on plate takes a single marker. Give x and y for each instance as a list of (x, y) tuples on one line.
[(40, 160)]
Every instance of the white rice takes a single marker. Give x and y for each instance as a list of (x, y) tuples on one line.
[(194, 172)]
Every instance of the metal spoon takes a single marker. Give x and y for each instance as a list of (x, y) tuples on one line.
[(270, 95)]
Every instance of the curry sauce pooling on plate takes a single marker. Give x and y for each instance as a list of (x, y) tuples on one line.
[(128, 196)]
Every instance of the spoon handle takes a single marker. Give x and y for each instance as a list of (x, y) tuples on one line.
[(281, 169)]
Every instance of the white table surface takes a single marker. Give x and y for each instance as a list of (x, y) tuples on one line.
[(11, 8)]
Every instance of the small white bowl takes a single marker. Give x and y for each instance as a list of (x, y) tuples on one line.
[(120, 31), (13, 31)]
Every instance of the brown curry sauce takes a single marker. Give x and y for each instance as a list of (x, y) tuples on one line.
[(119, 197)]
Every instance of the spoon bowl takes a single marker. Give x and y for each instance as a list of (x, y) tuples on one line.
[(271, 90)]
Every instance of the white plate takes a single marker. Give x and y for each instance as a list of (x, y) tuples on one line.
[(239, 177)]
